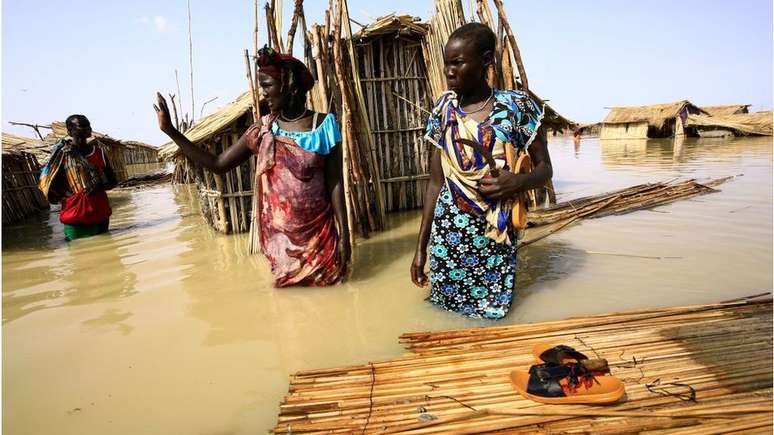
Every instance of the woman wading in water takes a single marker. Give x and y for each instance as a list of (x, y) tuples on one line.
[(467, 212), (298, 175)]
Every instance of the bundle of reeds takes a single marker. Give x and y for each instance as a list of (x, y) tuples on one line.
[(21, 196), (447, 16), (693, 369), (546, 221)]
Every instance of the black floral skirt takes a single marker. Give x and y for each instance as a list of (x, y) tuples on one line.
[(470, 273)]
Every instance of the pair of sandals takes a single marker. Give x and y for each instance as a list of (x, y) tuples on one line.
[(566, 376)]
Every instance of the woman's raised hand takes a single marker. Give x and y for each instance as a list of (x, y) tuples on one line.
[(162, 113)]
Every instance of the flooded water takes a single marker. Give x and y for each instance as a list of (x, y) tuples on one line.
[(163, 326)]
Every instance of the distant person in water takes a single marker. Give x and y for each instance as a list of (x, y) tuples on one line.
[(78, 174), (467, 212), (298, 175)]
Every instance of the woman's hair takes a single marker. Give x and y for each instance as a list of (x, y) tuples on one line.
[(71, 118), (479, 34)]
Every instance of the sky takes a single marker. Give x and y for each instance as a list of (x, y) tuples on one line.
[(106, 59)]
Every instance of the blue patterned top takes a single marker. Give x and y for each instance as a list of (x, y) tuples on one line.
[(321, 140), (515, 117)]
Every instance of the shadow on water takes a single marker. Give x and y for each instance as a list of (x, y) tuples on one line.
[(546, 261)]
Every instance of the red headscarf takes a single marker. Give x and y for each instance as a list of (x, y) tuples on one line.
[(273, 63)]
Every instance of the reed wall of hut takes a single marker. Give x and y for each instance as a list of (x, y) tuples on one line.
[(226, 200), (138, 153), (396, 91), (21, 196)]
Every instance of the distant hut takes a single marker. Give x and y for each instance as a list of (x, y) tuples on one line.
[(736, 124), (226, 200), (731, 109), (592, 129), (21, 169), (140, 153), (655, 121)]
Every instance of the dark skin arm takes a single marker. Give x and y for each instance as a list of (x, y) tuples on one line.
[(220, 164), (418, 275), (507, 184), (58, 189), (110, 175), (334, 181)]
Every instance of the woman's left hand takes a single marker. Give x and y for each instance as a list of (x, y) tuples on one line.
[(504, 186)]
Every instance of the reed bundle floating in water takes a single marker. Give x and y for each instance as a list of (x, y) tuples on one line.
[(544, 222), (687, 369)]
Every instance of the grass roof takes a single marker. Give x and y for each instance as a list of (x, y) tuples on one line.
[(655, 115)]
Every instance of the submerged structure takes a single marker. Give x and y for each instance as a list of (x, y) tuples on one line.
[(21, 170), (654, 121)]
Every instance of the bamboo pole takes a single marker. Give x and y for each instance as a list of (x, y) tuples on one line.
[(363, 122), (503, 18), (297, 12), (470, 387), (346, 121), (190, 63)]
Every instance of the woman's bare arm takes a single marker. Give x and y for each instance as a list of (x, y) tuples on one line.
[(434, 185), (220, 164)]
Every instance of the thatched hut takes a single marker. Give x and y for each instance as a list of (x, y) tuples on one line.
[(36, 147), (21, 169), (737, 124), (393, 77), (654, 121), (140, 153), (730, 109), (226, 200)]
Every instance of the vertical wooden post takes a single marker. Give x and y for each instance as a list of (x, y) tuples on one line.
[(516, 53)]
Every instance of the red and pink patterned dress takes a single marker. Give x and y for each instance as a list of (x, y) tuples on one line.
[(297, 224)]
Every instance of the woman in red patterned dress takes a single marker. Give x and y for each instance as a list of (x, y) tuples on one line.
[(298, 175)]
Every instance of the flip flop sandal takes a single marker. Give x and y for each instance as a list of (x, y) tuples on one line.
[(562, 354), (556, 354), (566, 384)]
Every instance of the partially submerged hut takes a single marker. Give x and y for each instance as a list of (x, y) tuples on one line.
[(21, 170), (36, 147), (140, 153), (736, 124), (226, 200), (654, 121), (729, 109)]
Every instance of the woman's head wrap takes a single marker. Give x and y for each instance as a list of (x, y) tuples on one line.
[(272, 63)]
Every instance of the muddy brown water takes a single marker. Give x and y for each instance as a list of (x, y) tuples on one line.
[(164, 326)]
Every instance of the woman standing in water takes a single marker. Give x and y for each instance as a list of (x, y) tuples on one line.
[(298, 154), (467, 212)]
